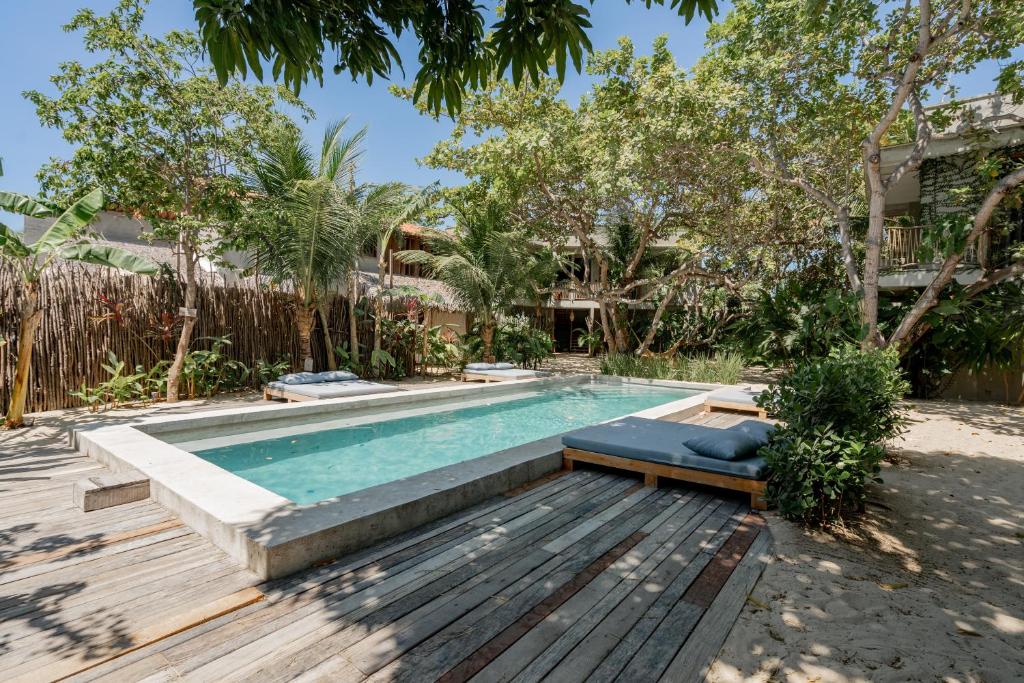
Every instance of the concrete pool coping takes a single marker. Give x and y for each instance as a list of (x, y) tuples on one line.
[(273, 536)]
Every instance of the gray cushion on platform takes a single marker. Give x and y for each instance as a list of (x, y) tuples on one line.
[(732, 395), (756, 429), (359, 387), (509, 374), (504, 366), (659, 442), (480, 366)]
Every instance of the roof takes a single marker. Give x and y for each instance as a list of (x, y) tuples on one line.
[(993, 114), (441, 296)]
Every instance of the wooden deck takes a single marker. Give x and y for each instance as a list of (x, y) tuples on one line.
[(585, 576)]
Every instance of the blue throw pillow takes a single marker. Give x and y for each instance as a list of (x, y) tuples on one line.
[(755, 429), (299, 378), (337, 376), (724, 445)]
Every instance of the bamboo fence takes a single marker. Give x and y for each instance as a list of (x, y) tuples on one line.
[(88, 311)]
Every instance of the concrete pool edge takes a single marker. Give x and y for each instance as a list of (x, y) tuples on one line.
[(273, 536)]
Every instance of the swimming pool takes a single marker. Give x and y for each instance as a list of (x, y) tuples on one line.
[(313, 466), (345, 473)]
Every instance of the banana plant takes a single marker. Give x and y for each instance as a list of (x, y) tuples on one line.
[(65, 239)]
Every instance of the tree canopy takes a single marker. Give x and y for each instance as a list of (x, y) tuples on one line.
[(458, 50)]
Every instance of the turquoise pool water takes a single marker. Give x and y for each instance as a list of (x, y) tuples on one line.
[(310, 467)]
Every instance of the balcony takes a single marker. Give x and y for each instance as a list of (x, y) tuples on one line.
[(901, 247)]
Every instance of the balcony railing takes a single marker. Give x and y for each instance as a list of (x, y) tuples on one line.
[(901, 249)]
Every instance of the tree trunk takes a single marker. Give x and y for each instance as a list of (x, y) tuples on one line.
[(487, 336), (185, 338), (873, 246), (653, 329), (304, 322), (328, 342), (353, 324), (618, 328), (31, 316), (378, 305)]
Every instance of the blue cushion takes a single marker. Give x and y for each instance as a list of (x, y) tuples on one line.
[(298, 378), (725, 445), (337, 376), (661, 442), (756, 429), (504, 366), (480, 366)]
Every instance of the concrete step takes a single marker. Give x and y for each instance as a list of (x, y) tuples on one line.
[(107, 490)]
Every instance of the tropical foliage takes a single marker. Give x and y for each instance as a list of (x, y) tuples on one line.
[(837, 412), (301, 224), (487, 265), (160, 135), (64, 239), (457, 48)]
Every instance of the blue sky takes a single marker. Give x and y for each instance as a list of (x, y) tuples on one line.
[(397, 134)]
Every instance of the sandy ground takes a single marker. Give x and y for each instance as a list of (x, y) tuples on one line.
[(928, 586)]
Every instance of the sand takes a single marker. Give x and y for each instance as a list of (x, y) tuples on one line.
[(927, 586)]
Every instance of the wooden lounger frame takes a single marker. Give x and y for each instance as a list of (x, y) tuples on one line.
[(289, 396), (711, 403), (652, 471)]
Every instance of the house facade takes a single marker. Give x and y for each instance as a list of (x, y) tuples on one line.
[(923, 198)]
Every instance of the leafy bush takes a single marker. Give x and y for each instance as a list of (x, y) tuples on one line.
[(209, 371), (721, 368), (516, 340), (838, 410), (851, 391), (796, 322), (817, 475)]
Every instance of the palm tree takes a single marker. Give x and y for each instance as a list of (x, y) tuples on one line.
[(382, 210), (485, 264), (310, 231), (62, 240)]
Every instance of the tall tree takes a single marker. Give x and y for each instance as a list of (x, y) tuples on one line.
[(382, 210), (302, 227), (457, 49), (829, 89), (484, 262), (64, 239), (639, 151), (155, 129)]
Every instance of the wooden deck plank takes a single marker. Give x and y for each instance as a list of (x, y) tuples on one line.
[(539, 651), (316, 605), (450, 646), (426, 610), (695, 656), (583, 576)]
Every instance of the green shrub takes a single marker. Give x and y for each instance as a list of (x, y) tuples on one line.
[(818, 475), (852, 391), (516, 340), (837, 412)]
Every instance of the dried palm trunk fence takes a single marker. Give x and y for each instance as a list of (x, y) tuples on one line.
[(89, 311)]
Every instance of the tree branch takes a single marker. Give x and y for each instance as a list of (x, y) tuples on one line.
[(929, 297)]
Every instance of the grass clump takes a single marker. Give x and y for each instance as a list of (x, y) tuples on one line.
[(720, 368)]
